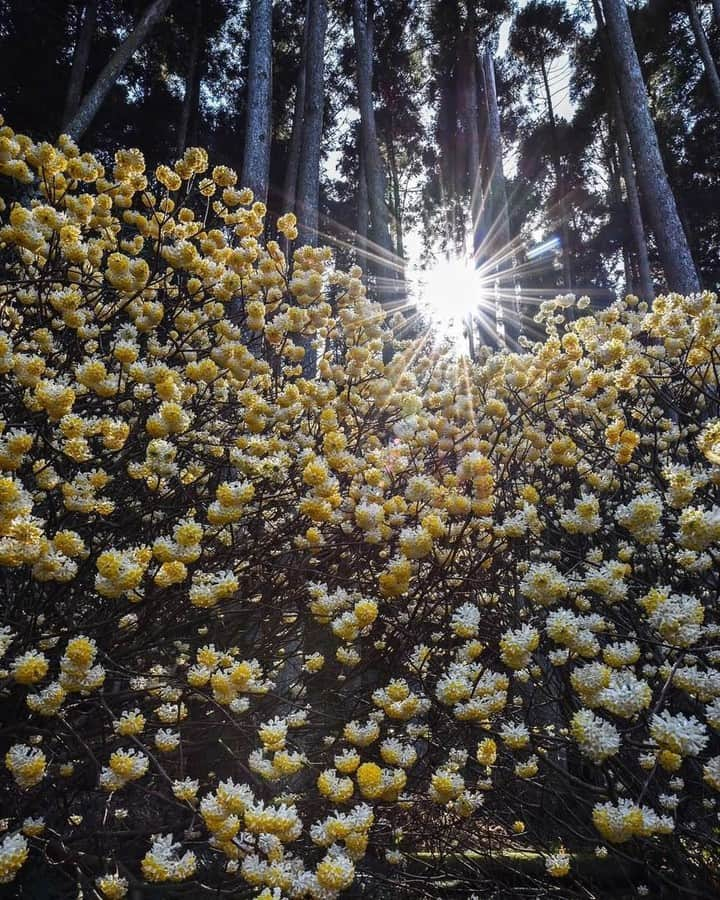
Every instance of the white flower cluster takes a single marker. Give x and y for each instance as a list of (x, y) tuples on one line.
[(679, 733), (596, 738)]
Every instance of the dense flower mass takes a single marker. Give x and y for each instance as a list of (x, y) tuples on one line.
[(292, 605)]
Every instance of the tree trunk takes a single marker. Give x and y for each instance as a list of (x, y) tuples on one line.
[(618, 130), (308, 182), (293, 158), (258, 121), (374, 172), (716, 11), (187, 127), (106, 80), (397, 202), (468, 85), (711, 72), (81, 55), (308, 179), (496, 174), (363, 210), (671, 240), (397, 211), (502, 243), (645, 285), (617, 204), (560, 183)]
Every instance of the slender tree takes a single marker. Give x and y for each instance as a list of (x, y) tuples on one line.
[(618, 131), (398, 85), (292, 163), (395, 185), (258, 120), (703, 45), (497, 185), (81, 55), (657, 194), (363, 208), (187, 126), (540, 33), (374, 169), (635, 215), (106, 80), (308, 181), (501, 241), (470, 116)]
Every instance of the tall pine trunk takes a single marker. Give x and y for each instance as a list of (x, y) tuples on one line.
[(258, 120), (308, 182), (308, 179), (106, 80), (617, 204), (397, 210), (711, 72), (374, 170), (559, 182), (363, 208), (480, 214), (672, 243), (187, 126), (81, 55), (397, 200), (293, 158), (502, 242), (618, 131), (470, 113), (635, 216)]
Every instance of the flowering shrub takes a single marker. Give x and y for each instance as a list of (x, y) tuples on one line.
[(277, 633)]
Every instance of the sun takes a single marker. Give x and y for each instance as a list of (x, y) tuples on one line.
[(451, 292)]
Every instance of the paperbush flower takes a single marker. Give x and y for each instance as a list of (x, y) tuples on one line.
[(286, 581)]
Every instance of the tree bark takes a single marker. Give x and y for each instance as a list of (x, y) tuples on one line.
[(502, 249), (81, 55), (617, 203), (258, 121), (308, 182), (374, 171), (711, 72), (645, 285), (189, 112), (618, 130), (470, 112), (92, 101), (672, 243), (560, 183), (496, 173), (293, 158), (397, 202), (363, 210)]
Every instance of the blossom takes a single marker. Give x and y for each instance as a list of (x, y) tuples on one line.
[(596, 738), (401, 572), (13, 854), (164, 862), (679, 733), (112, 887), (558, 864), (26, 764)]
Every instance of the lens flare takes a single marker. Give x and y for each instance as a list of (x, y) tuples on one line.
[(452, 293)]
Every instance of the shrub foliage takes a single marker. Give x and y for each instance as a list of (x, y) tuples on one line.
[(276, 633)]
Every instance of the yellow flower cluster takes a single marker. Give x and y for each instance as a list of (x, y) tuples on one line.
[(348, 583)]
